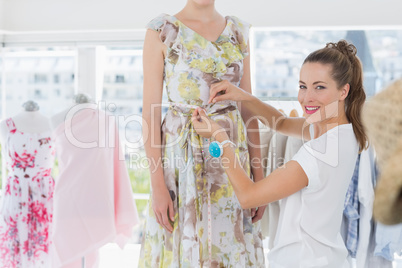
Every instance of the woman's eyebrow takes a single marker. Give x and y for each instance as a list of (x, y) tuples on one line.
[(317, 82)]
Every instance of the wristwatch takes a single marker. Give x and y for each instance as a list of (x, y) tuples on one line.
[(216, 148)]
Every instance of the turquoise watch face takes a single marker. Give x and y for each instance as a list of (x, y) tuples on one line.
[(214, 149)]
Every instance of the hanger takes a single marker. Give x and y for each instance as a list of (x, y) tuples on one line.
[(293, 113)]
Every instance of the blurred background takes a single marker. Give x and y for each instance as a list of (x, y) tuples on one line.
[(53, 49)]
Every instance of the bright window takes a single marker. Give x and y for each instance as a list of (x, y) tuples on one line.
[(279, 54), (44, 75)]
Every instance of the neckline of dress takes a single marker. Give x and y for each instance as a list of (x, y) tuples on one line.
[(29, 133), (217, 39)]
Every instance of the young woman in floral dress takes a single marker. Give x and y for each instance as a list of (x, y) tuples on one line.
[(194, 218)]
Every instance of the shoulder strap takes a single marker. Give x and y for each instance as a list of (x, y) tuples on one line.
[(168, 28), (241, 31), (10, 125)]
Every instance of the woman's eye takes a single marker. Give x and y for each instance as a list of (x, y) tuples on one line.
[(302, 87), (320, 87)]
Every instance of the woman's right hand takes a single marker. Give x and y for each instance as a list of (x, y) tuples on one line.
[(224, 90), (162, 205)]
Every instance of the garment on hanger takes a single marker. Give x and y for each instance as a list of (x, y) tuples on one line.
[(27, 199), (276, 158), (293, 113), (388, 241), (281, 149), (351, 212), (360, 234), (266, 135), (292, 146), (265, 139), (93, 200)]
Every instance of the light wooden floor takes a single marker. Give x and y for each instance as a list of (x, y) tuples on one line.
[(111, 256)]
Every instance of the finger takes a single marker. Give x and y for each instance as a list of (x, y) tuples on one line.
[(157, 217), (166, 222), (215, 95), (195, 117), (159, 220), (164, 227), (220, 98), (202, 112), (252, 212), (259, 214), (195, 112), (199, 116), (254, 220), (171, 211), (215, 89)]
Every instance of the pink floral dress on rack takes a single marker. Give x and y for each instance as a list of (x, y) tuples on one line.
[(27, 197)]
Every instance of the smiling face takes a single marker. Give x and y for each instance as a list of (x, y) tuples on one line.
[(319, 94)]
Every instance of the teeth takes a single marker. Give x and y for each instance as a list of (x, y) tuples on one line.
[(311, 108)]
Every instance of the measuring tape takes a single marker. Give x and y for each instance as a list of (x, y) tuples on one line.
[(189, 106)]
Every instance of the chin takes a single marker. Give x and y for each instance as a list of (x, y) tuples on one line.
[(204, 2), (313, 118)]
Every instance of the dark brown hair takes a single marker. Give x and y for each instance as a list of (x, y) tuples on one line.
[(346, 69)]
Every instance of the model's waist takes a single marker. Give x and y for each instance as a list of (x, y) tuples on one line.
[(211, 108)]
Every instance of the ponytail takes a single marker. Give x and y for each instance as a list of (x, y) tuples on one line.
[(346, 69)]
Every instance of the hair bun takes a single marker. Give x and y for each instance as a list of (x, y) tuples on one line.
[(345, 48)]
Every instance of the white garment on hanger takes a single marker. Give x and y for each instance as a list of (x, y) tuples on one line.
[(265, 139), (276, 158), (366, 199), (292, 147)]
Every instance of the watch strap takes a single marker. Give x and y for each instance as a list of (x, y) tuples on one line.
[(227, 141)]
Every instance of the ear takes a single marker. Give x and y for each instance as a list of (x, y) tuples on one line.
[(344, 92)]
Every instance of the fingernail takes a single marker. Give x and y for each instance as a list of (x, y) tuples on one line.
[(213, 100)]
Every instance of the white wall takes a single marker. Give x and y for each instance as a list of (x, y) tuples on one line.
[(1, 14), (49, 15)]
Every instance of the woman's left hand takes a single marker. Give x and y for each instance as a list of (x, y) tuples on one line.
[(257, 214), (203, 125), (224, 90)]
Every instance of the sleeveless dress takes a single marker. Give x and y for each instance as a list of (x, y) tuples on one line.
[(210, 227), (27, 196)]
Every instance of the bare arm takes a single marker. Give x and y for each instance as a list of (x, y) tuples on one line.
[(281, 183), (153, 64), (295, 126), (270, 116), (253, 135)]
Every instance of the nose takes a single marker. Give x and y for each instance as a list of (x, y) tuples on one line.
[(306, 96)]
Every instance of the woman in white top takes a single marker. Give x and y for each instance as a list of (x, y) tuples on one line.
[(313, 184)]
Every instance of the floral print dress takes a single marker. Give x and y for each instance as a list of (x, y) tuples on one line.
[(27, 196), (210, 227)]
